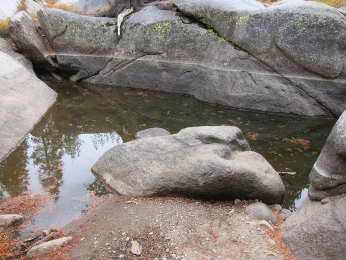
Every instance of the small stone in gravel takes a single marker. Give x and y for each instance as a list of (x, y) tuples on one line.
[(136, 248), (287, 212), (266, 224), (271, 241), (237, 201), (261, 211), (48, 247), (325, 201), (7, 220), (278, 207), (283, 216)]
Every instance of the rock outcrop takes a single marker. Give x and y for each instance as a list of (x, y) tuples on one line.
[(161, 51), (83, 45), (317, 231), (328, 176), (201, 162), (239, 54), (24, 100), (284, 35), (24, 34)]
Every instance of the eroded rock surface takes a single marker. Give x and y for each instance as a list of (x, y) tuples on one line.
[(328, 176), (202, 162)]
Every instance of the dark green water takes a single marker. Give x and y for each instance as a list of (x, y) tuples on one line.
[(87, 121)]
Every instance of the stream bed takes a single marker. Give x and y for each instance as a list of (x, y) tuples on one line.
[(88, 120)]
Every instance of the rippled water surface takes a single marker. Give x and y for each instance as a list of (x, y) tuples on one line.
[(86, 121)]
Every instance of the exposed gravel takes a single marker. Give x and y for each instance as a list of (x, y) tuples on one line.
[(170, 228)]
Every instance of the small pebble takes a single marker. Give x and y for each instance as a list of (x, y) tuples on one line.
[(325, 201)]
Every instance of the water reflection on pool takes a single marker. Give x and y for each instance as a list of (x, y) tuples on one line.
[(87, 121)]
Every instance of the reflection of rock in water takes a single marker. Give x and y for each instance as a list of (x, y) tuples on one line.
[(13, 172), (98, 187)]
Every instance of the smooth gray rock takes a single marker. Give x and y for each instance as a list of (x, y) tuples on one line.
[(202, 162), (10, 219), (19, 57), (24, 99), (48, 247), (329, 171), (162, 51), (83, 44), (152, 132), (321, 235), (261, 211), (25, 35), (306, 209)]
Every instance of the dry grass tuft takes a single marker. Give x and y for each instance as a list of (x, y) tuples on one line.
[(4, 27)]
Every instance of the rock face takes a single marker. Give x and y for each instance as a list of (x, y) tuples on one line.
[(317, 231), (24, 34), (23, 101), (161, 51), (83, 45), (201, 162), (328, 176), (287, 30), (287, 58), (22, 59)]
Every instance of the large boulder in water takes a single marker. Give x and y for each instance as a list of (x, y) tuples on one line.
[(328, 176), (201, 162)]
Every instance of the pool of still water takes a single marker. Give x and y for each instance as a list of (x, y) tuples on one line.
[(86, 121)]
